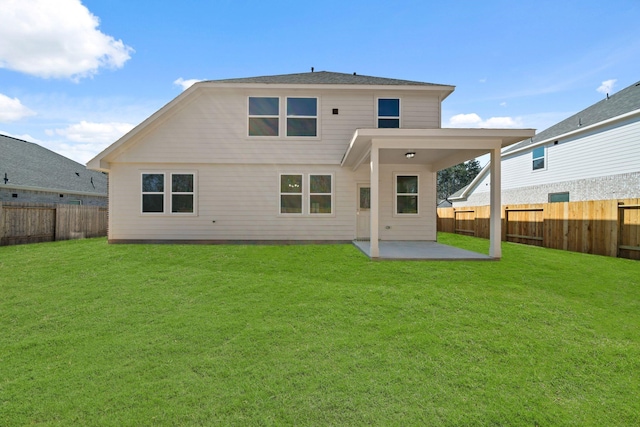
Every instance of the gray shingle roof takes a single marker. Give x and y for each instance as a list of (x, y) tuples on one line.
[(29, 165), (325, 77), (624, 101)]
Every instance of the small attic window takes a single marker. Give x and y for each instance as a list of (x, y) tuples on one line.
[(62, 195), (14, 195)]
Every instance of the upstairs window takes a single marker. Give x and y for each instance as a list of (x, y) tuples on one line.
[(406, 194), (264, 116), (388, 113), (538, 158), (302, 117)]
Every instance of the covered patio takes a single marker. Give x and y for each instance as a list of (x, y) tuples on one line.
[(420, 250), (436, 149)]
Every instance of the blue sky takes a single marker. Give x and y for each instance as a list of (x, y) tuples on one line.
[(75, 76)]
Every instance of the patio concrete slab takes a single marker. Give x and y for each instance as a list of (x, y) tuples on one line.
[(420, 250)]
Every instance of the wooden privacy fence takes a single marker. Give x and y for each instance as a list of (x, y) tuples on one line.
[(601, 227), (31, 223)]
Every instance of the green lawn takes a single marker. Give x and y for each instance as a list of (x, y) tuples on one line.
[(98, 334)]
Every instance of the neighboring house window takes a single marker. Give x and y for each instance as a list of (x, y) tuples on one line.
[(388, 113), (74, 202), (291, 194), (406, 194), (538, 158), (559, 197), (182, 193), (320, 194), (264, 116), (302, 117)]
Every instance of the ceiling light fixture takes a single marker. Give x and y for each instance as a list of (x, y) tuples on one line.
[(410, 155)]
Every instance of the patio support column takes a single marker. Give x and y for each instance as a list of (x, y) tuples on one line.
[(495, 226), (374, 211)]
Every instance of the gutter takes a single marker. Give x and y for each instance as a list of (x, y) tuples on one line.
[(52, 190)]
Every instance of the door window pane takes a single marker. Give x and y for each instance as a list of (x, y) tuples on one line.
[(365, 198)]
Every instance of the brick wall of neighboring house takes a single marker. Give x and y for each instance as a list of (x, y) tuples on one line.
[(623, 186)]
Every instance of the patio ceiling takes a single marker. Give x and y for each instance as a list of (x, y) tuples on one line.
[(440, 148)]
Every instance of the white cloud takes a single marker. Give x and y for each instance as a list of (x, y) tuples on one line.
[(186, 84), (11, 109), (607, 86), (472, 120), (24, 137), (503, 104), (81, 153), (94, 133), (82, 141), (56, 39), (465, 120)]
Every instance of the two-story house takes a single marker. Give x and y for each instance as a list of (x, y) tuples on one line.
[(316, 156), (592, 155)]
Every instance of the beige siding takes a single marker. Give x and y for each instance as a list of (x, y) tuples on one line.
[(420, 112), (407, 227), (213, 128), (243, 200), (237, 185)]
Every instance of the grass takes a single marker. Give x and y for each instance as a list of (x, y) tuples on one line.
[(98, 334)]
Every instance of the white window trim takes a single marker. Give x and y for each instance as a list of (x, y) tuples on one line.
[(332, 213), (279, 117), (306, 195), (544, 158), (378, 117), (301, 193), (287, 116), (167, 193), (164, 195), (193, 193), (396, 194)]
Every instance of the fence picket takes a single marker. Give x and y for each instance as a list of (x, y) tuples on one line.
[(599, 226), (31, 223)]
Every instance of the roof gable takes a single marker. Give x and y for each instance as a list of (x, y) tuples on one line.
[(29, 165), (320, 79)]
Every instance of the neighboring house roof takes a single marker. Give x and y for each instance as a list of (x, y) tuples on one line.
[(29, 166), (624, 102), (325, 77)]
